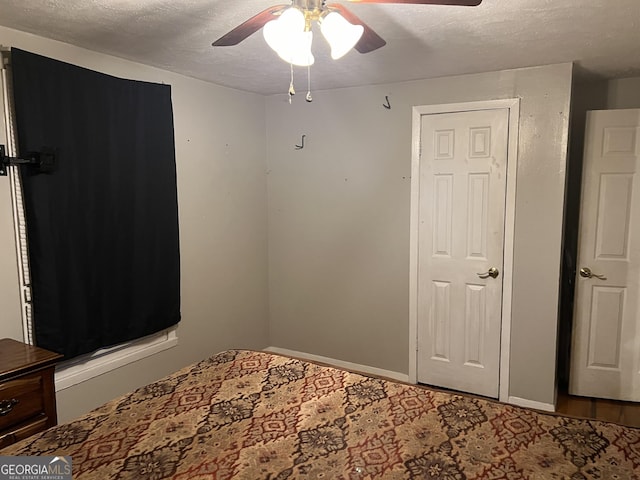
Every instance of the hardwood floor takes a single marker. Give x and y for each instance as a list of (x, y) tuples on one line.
[(625, 413)]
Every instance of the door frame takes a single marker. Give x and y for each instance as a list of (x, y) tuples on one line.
[(513, 107)]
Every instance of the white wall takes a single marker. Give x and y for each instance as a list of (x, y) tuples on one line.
[(623, 93), (220, 145), (10, 321), (339, 219)]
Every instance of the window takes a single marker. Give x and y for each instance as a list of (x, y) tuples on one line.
[(85, 366)]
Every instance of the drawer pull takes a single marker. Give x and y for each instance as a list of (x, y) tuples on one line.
[(7, 405)]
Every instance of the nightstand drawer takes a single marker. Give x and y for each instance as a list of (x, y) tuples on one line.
[(20, 399), (27, 390), (23, 431)]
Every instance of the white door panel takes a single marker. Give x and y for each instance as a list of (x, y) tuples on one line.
[(462, 188), (606, 347)]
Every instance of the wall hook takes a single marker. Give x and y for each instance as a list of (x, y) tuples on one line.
[(387, 105), (301, 146)]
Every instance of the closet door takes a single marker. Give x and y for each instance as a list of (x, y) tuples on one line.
[(605, 359), (463, 166)]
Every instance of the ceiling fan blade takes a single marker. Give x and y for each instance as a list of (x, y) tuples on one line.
[(248, 28), (370, 40), (462, 3)]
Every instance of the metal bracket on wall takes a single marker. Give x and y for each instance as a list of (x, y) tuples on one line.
[(43, 162), (301, 146)]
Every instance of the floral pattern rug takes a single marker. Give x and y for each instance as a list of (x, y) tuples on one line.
[(255, 415)]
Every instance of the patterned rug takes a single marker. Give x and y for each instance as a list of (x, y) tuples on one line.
[(254, 415)]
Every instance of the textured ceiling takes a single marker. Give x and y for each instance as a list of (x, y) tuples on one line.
[(601, 36)]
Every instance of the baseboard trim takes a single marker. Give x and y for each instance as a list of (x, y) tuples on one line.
[(401, 377), (523, 402)]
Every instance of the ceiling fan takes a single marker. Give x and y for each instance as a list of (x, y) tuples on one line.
[(318, 10)]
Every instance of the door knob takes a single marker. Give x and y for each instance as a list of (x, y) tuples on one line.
[(493, 272), (587, 273)]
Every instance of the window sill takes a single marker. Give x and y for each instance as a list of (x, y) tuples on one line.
[(83, 368)]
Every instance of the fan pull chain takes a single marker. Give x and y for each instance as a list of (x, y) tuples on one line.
[(309, 98), (292, 91)]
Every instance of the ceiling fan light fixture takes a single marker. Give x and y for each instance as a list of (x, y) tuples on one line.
[(341, 35), (288, 37), (298, 51)]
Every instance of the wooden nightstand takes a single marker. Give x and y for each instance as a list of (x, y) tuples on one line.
[(27, 392)]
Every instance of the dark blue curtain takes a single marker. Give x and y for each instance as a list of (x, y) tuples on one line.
[(103, 226)]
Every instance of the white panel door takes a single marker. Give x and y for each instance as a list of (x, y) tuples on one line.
[(463, 165), (605, 358)]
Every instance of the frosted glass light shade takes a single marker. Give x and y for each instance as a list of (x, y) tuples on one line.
[(287, 37), (298, 50), (341, 35), (278, 32)]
